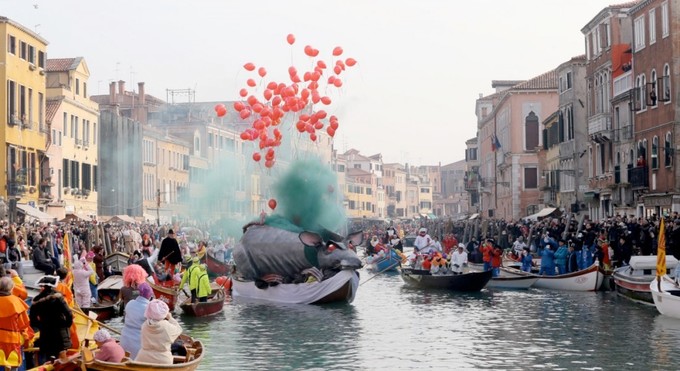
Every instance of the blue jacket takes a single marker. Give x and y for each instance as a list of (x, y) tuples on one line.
[(551, 242), (548, 258), (131, 336), (561, 255)]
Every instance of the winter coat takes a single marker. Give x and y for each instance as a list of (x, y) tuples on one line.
[(131, 336), (561, 255), (157, 338), (53, 318)]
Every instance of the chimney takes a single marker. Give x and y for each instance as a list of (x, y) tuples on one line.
[(112, 93), (142, 96), (121, 87)]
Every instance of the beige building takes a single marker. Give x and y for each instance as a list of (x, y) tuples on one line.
[(73, 150), (394, 181), (361, 197), (165, 175)]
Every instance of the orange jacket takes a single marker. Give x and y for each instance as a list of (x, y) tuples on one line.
[(15, 330), (496, 255), (19, 289), (486, 252)]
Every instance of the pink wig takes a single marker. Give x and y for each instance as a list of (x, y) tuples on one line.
[(134, 274)]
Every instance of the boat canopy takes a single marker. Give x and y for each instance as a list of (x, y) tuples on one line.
[(649, 262)]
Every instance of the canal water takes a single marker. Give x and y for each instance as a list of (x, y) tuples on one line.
[(392, 327)]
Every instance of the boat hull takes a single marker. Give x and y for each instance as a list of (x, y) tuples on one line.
[(467, 282), (104, 310), (341, 287), (196, 349), (214, 305), (386, 264), (516, 282), (666, 300), (589, 279), (117, 261), (168, 294), (632, 281), (217, 268)]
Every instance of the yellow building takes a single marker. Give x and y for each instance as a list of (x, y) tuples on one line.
[(22, 114), (165, 175), (359, 192), (71, 186)]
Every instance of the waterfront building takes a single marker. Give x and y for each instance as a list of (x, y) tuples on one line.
[(472, 180), (70, 186), (360, 191), (566, 142), (509, 140), (655, 52), (394, 181), (25, 165), (452, 202), (610, 96)]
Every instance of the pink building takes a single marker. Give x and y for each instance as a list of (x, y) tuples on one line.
[(509, 138)]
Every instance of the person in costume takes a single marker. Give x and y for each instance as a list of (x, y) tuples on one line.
[(159, 331), (81, 283), (131, 338), (170, 253), (15, 326), (459, 259), (133, 276), (109, 349), (52, 317)]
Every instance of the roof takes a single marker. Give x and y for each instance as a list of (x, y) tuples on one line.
[(63, 64), (544, 81), (508, 83), (23, 28), (51, 108)]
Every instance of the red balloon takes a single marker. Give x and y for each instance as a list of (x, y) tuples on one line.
[(262, 72), (272, 204), (309, 51), (268, 94), (350, 62), (290, 38), (331, 79), (326, 100), (245, 135), (337, 83), (217, 107), (272, 85), (315, 52), (292, 71), (334, 125), (330, 131), (337, 70), (249, 66), (257, 156), (251, 83), (222, 111), (312, 137), (321, 64), (243, 92), (268, 164), (245, 114), (337, 51)]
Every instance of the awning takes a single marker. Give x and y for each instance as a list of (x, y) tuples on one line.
[(33, 213), (473, 216), (431, 216), (122, 218), (541, 214)]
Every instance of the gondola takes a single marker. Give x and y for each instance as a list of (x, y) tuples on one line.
[(212, 306), (165, 291), (216, 268), (117, 261), (466, 282)]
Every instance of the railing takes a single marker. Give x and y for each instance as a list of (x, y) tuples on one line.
[(44, 128), (638, 177), (606, 180), (599, 123), (623, 133), (623, 83), (567, 149)]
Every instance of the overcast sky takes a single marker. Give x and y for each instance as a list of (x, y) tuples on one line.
[(411, 97)]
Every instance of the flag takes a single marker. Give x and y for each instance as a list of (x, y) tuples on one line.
[(66, 251), (661, 253), (495, 143)]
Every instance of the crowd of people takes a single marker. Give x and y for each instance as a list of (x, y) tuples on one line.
[(563, 244)]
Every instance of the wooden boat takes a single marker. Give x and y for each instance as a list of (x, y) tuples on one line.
[(666, 296), (341, 287), (104, 309), (212, 306), (589, 279), (387, 263), (165, 291), (216, 268), (632, 281), (512, 280), (117, 261), (85, 360), (471, 281)]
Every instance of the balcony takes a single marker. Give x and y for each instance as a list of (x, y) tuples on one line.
[(639, 177), (623, 83), (606, 180), (567, 149), (623, 134), (600, 127)]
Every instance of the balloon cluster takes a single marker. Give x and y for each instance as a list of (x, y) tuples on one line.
[(300, 96)]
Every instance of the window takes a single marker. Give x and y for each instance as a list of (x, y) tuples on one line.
[(641, 85), (639, 29), (77, 86), (570, 123), (652, 26), (22, 50), (569, 80), (65, 175), (30, 105), (31, 54), (75, 174), (41, 113), (664, 19), (667, 151), (531, 132), (11, 44), (94, 133), (652, 92), (530, 178), (41, 59), (655, 152), (22, 103), (11, 99), (665, 83), (84, 90), (87, 177)]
